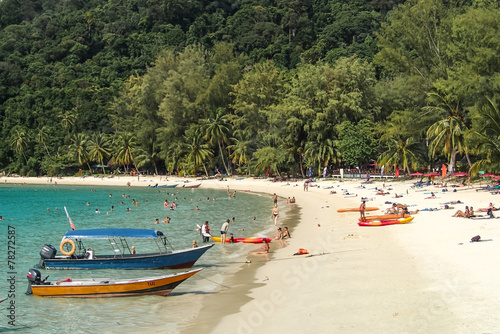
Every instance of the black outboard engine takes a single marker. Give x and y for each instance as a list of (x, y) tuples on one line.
[(34, 278), (47, 252)]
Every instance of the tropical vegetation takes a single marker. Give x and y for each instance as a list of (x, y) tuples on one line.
[(248, 87)]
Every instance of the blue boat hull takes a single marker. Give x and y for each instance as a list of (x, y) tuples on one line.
[(175, 260)]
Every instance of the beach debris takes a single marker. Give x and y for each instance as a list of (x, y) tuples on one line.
[(475, 239), (302, 251)]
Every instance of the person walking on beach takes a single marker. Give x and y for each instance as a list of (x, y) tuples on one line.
[(362, 208), (223, 231), (275, 214)]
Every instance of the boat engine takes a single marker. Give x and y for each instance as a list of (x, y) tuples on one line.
[(34, 278), (47, 252)]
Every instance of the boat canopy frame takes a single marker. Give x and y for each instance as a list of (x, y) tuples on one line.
[(117, 239)]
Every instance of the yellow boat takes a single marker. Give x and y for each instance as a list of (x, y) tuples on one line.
[(386, 222), (103, 287)]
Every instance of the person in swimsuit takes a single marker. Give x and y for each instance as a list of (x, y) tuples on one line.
[(275, 214), (286, 233), (264, 249), (280, 234), (362, 208), (223, 231), (461, 213)]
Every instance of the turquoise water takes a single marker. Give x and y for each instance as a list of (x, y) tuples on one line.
[(34, 216)]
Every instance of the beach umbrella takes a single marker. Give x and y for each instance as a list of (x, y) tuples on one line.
[(416, 174), (461, 174), (432, 174), (489, 175)]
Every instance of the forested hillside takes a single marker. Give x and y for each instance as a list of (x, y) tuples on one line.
[(247, 86)]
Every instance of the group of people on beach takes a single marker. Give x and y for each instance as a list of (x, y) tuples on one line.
[(469, 212), (282, 233)]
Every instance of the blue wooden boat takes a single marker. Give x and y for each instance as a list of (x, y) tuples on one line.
[(76, 255)]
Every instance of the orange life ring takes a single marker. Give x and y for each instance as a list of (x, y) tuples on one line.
[(73, 247)]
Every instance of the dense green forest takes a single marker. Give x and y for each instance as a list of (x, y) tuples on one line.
[(248, 86)]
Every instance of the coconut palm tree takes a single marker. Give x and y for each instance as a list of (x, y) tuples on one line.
[(400, 152), (486, 142), (42, 136), (447, 134), (19, 142), (197, 152), (99, 148), (149, 155), (78, 146), (217, 131), (126, 146), (241, 148), (67, 119)]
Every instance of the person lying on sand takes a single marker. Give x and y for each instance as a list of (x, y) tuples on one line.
[(453, 202), (490, 207), (432, 196)]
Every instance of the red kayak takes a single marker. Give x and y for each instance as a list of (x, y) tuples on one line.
[(243, 240)]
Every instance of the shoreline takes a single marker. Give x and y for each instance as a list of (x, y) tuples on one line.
[(425, 276)]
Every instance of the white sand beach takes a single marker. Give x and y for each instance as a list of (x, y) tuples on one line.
[(421, 277)]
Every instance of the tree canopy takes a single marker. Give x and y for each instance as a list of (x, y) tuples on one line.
[(249, 86)]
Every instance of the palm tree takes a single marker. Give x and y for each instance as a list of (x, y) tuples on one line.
[(78, 145), (18, 142), (447, 134), (487, 141), (399, 153), (197, 152), (217, 130), (99, 148), (67, 119), (125, 149), (42, 136), (241, 149)]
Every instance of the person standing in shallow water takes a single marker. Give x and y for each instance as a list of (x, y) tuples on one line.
[(223, 231), (275, 214)]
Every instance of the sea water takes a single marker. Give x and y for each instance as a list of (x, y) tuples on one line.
[(34, 216)]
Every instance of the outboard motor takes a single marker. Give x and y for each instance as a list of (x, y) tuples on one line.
[(34, 278), (47, 252)]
